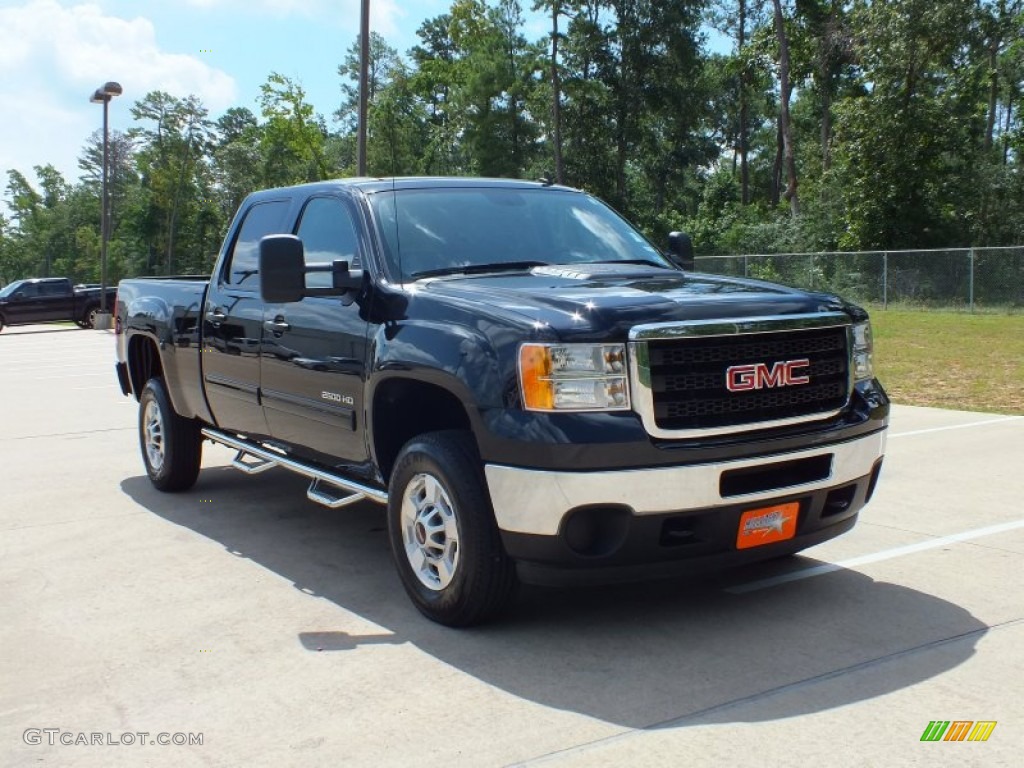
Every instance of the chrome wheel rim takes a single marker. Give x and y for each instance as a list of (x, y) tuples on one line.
[(92, 317), (153, 435), (430, 532)]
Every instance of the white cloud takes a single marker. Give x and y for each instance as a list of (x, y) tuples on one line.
[(53, 55), (385, 15), (279, 7)]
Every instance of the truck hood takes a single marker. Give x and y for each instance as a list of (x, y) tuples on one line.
[(606, 300)]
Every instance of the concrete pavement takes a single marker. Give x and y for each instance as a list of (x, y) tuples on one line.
[(279, 631)]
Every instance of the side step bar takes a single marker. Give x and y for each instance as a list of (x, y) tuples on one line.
[(322, 485)]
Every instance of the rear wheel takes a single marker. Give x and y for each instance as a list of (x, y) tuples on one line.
[(172, 446), (88, 319), (443, 536)]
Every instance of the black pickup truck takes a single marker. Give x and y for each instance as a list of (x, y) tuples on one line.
[(49, 299), (532, 389)]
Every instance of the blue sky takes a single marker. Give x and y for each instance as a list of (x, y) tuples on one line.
[(54, 53)]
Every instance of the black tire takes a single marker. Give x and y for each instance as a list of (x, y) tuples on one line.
[(1, 324), (87, 319), (179, 445), (482, 579)]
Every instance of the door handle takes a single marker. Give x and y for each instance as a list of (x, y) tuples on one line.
[(216, 317), (276, 326)]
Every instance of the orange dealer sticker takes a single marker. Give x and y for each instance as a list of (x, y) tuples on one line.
[(767, 525)]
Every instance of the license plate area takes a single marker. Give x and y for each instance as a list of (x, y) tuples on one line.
[(767, 525)]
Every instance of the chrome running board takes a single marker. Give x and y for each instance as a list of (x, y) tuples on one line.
[(265, 459)]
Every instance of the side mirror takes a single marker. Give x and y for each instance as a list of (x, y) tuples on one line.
[(680, 250), (282, 269)]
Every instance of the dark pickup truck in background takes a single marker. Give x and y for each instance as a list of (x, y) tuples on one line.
[(50, 299), (533, 390)]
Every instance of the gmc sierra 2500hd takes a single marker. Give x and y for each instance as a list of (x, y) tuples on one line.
[(532, 389)]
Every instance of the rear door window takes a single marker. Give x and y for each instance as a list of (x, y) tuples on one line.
[(54, 289), (243, 262)]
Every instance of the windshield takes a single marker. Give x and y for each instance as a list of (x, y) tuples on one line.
[(449, 230), (10, 288)]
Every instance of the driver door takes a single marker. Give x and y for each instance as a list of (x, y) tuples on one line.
[(314, 351)]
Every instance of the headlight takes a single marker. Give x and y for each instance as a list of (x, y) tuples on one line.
[(863, 352), (573, 377)]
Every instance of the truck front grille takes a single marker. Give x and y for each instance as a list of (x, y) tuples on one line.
[(683, 380)]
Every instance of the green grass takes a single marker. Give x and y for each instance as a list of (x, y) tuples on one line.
[(951, 359)]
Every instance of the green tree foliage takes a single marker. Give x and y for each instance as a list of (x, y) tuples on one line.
[(293, 136), (903, 129), (174, 140)]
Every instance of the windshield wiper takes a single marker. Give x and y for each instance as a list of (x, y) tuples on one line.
[(475, 269)]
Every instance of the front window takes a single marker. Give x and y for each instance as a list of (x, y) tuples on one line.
[(438, 231), (10, 288)]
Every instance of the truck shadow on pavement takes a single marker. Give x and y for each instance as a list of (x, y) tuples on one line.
[(641, 656), (35, 330)]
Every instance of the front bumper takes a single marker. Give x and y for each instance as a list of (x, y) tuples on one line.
[(624, 524)]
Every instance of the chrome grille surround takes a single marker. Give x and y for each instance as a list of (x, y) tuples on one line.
[(640, 368)]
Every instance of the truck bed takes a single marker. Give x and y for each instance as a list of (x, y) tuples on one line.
[(169, 308)]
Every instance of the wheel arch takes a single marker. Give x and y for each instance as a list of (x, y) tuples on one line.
[(402, 408), (144, 363)]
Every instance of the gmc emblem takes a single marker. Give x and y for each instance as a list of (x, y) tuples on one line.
[(743, 378)]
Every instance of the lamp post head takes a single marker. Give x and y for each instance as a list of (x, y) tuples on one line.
[(106, 93)]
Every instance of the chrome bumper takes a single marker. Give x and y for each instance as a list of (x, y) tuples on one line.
[(535, 501)]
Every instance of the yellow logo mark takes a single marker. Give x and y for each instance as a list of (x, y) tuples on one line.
[(982, 730)]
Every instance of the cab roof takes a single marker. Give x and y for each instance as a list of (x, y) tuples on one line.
[(369, 186)]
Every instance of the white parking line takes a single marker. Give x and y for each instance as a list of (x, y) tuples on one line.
[(987, 422), (45, 368), (886, 554), (50, 359), (66, 376)]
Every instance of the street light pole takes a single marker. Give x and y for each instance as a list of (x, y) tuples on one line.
[(103, 96), (364, 85)]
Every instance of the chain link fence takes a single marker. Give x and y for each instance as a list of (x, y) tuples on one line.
[(970, 279)]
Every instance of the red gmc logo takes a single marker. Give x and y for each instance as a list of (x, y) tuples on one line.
[(743, 378)]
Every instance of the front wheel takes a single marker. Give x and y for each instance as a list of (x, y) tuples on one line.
[(444, 540), (172, 446)]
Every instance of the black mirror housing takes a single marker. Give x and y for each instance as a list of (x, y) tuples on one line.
[(345, 279), (282, 269), (680, 250)]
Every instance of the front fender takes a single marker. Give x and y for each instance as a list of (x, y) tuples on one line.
[(456, 358)]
